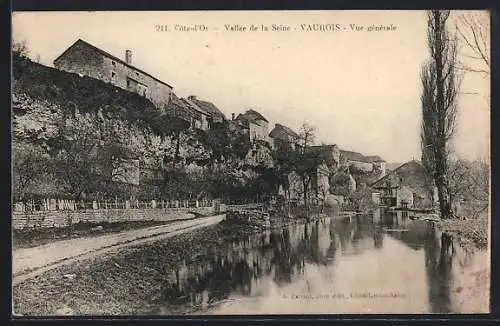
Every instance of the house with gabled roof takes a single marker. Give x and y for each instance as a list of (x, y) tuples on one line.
[(254, 124), (282, 135), (362, 162), (85, 59), (410, 185), (194, 117), (208, 108)]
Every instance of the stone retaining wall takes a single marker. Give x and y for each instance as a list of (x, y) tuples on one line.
[(64, 218)]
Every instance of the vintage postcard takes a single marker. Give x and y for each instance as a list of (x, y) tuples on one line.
[(243, 162)]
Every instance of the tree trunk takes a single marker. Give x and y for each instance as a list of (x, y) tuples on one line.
[(304, 185), (440, 153), (177, 148)]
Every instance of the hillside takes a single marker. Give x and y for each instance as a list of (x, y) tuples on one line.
[(80, 138), (71, 92)]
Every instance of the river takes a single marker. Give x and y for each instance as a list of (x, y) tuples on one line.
[(379, 263)]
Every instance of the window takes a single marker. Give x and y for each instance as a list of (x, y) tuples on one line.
[(113, 63), (113, 74)]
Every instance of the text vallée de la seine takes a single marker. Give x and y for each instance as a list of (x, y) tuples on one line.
[(241, 28)]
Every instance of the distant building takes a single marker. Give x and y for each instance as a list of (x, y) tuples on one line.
[(86, 59), (184, 109), (407, 186), (364, 163), (254, 124), (283, 136), (214, 113)]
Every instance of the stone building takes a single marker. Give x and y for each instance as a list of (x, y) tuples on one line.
[(364, 163), (283, 136), (214, 114), (192, 114), (407, 186), (86, 59), (254, 124)]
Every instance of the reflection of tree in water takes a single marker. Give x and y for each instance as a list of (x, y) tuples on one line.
[(438, 262), (216, 280), (378, 238), (345, 231), (282, 254)]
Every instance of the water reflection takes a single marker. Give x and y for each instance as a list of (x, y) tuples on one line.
[(385, 252)]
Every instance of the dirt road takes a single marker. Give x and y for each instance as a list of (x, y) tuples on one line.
[(29, 262)]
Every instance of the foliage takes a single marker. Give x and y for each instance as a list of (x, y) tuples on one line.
[(225, 144), (339, 183), (362, 199), (30, 164)]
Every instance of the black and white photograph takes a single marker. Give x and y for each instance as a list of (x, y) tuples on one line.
[(177, 163)]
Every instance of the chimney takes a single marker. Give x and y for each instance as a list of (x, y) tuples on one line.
[(232, 116), (128, 57)]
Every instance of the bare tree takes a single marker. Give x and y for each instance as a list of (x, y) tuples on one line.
[(28, 165), (440, 86), (469, 181), (473, 29), (305, 165)]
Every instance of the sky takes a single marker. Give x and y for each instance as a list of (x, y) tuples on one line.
[(359, 89)]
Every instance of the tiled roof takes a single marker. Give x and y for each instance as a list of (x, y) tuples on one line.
[(374, 158), (106, 54), (282, 132), (250, 116), (194, 106), (206, 106), (353, 156), (358, 157), (412, 174)]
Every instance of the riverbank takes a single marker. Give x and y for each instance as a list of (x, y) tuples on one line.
[(122, 282), (119, 283), (469, 231)]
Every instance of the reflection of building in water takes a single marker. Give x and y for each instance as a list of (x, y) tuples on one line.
[(412, 233), (378, 238), (395, 219)]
